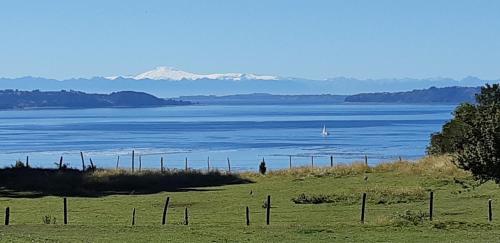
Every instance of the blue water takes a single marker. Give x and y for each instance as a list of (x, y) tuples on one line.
[(245, 134)]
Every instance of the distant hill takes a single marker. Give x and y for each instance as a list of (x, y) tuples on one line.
[(265, 99), (15, 99), (452, 95)]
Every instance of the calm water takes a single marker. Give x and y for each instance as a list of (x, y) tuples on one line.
[(245, 134)]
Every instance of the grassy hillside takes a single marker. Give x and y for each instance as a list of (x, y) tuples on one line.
[(308, 205)]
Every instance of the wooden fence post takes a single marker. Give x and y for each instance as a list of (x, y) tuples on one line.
[(490, 213), (140, 163), (431, 205), (60, 162), (186, 164), (186, 217), (366, 160), (290, 161), (247, 216), (363, 206), (65, 209), (161, 164), (117, 162), (133, 217), (7, 215), (228, 165), (331, 160), (92, 164), (268, 210), (208, 164), (83, 161), (27, 161), (164, 218), (312, 161), (133, 157)]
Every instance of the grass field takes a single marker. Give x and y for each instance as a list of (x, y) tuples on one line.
[(326, 208)]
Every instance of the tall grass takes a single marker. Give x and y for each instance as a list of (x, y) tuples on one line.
[(434, 166)]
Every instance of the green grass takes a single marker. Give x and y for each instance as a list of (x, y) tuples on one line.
[(217, 213)]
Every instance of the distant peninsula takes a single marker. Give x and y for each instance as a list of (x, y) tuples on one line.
[(450, 95), (15, 99), (265, 99)]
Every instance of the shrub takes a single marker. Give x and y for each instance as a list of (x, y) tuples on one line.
[(47, 219), (19, 164), (63, 166), (409, 217), (312, 199), (377, 195), (262, 167)]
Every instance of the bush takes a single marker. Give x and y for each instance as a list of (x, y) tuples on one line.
[(409, 217), (47, 219), (312, 199), (262, 167), (377, 195), (19, 164)]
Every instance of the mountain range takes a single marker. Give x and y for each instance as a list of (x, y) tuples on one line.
[(170, 82)]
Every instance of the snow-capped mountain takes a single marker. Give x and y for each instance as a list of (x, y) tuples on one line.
[(168, 73)]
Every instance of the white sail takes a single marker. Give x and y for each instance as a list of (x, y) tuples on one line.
[(324, 132)]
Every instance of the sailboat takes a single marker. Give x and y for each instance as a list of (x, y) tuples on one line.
[(325, 133)]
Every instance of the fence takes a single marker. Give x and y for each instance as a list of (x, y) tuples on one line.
[(245, 215), (135, 161)]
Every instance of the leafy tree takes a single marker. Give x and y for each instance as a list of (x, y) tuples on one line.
[(452, 137), (473, 135)]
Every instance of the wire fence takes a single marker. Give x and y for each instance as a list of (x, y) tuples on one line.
[(164, 213), (157, 161)]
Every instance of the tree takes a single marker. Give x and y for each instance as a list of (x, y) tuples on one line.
[(262, 167), (473, 135), (452, 137)]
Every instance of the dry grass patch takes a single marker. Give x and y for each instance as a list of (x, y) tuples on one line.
[(432, 166), (435, 166)]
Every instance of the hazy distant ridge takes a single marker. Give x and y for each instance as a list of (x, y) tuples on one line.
[(445, 95), (265, 99)]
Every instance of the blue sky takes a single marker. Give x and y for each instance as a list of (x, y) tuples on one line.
[(310, 39)]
